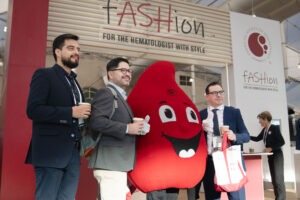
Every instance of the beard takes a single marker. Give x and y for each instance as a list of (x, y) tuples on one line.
[(67, 62)]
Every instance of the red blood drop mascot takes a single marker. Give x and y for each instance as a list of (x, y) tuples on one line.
[(173, 154)]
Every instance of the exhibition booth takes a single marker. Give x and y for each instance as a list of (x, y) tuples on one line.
[(205, 45)]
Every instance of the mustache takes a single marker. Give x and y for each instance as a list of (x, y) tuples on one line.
[(75, 55), (126, 76)]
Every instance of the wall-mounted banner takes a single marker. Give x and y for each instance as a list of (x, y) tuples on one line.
[(257, 55), (258, 71), (174, 28)]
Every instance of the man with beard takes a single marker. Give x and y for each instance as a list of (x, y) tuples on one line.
[(114, 154), (53, 108)]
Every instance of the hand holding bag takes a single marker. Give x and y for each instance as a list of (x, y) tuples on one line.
[(229, 172)]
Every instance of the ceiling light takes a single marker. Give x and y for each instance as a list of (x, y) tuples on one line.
[(191, 80), (253, 14), (5, 28)]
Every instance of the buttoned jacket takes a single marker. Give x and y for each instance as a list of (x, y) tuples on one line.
[(49, 106)]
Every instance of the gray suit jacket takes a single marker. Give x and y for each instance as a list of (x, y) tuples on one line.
[(116, 149)]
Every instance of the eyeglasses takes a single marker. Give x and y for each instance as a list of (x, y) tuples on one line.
[(123, 70), (215, 93)]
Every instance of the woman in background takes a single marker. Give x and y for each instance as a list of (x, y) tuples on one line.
[(273, 141)]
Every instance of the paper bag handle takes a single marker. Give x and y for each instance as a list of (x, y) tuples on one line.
[(225, 141)]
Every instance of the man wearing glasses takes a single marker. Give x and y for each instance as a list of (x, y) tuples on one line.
[(215, 115), (114, 155)]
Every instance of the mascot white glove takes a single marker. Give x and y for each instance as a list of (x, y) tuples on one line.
[(146, 125)]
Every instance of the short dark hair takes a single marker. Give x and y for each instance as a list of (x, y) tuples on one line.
[(212, 84), (265, 115), (59, 42), (113, 63)]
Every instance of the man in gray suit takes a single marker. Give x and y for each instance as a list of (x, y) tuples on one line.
[(114, 155)]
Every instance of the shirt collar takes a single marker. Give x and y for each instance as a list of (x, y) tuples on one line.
[(221, 107), (62, 71), (120, 90)]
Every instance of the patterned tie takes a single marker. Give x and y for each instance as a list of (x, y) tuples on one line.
[(216, 123)]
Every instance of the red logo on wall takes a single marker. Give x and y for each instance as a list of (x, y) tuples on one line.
[(257, 44)]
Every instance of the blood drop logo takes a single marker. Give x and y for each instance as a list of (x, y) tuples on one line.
[(257, 44)]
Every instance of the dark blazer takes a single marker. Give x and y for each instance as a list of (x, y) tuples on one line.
[(116, 149), (49, 106), (298, 134), (233, 118), (274, 138)]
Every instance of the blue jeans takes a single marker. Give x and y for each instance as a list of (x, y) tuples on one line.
[(58, 183)]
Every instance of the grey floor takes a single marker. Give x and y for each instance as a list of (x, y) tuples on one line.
[(269, 195)]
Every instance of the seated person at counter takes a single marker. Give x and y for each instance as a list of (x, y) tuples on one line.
[(273, 141)]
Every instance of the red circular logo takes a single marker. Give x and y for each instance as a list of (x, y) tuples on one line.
[(258, 45)]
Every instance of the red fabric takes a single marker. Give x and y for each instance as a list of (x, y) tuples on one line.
[(175, 126)]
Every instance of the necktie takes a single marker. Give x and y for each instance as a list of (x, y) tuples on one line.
[(74, 89), (216, 123)]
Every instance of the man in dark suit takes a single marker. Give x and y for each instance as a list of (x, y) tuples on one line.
[(52, 107), (114, 155), (238, 134)]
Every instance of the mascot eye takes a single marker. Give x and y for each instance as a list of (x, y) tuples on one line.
[(191, 115), (167, 114)]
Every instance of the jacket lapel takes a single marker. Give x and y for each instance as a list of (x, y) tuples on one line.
[(225, 113), (63, 79)]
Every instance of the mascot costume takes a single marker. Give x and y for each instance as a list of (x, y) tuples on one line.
[(173, 154)]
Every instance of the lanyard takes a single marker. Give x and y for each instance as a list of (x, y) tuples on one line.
[(75, 90)]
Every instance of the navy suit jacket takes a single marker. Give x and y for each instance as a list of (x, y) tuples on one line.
[(233, 118), (49, 106)]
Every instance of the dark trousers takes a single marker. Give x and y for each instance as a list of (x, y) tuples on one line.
[(209, 186), (56, 183), (197, 190), (191, 194), (167, 194), (276, 162)]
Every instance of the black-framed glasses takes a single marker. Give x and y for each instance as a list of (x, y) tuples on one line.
[(215, 93), (123, 70)]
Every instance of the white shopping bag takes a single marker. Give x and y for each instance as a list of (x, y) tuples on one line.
[(229, 172)]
